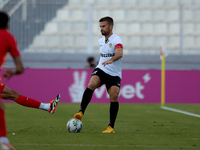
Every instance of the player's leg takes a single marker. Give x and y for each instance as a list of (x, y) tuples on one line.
[(113, 88), (114, 104), (4, 142), (114, 107), (2, 120), (87, 95), (3, 136), (10, 94)]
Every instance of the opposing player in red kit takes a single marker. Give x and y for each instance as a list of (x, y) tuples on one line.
[(9, 45)]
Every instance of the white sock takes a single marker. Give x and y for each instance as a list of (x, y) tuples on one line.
[(4, 140), (44, 106)]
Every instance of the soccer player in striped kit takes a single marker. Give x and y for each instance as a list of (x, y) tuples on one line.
[(9, 45), (108, 72)]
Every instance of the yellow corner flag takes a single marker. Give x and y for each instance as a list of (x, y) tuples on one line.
[(163, 54), (163, 79)]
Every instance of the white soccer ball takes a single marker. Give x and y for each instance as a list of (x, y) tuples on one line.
[(74, 125)]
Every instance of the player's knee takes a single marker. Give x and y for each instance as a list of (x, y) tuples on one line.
[(13, 95), (114, 97), (92, 86)]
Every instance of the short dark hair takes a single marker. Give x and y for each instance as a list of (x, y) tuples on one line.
[(108, 19), (4, 19)]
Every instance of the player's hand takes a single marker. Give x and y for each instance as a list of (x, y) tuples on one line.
[(107, 62), (8, 73)]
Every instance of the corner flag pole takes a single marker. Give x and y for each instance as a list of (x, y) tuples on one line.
[(163, 80), (163, 55)]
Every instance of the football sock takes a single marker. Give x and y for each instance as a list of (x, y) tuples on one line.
[(28, 102), (114, 107), (87, 96), (2, 124), (44, 106)]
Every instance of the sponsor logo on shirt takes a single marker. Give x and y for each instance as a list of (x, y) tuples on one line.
[(107, 55)]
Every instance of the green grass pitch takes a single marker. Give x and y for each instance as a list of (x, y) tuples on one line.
[(138, 127)]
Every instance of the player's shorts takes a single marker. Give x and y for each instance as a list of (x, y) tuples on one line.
[(1, 89), (107, 79)]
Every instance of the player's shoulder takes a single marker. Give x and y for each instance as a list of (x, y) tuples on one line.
[(116, 38), (7, 34), (8, 37), (12, 38), (102, 39)]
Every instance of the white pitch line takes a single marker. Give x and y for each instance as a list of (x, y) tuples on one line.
[(93, 145), (180, 111)]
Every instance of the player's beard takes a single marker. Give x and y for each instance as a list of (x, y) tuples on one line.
[(105, 33)]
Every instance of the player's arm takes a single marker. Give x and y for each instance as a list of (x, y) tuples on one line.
[(18, 68), (117, 56), (13, 50)]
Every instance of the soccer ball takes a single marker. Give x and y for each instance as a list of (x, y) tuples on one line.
[(74, 125)]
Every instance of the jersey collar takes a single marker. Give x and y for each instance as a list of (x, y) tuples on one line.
[(106, 41)]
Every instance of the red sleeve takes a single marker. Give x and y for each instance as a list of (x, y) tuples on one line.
[(13, 47), (118, 46)]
